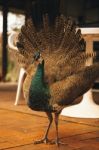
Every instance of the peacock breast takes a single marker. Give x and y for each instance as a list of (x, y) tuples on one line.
[(39, 93)]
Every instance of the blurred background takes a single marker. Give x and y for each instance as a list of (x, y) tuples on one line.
[(13, 14)]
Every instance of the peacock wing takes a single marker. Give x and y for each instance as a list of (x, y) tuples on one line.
[(64, 92)]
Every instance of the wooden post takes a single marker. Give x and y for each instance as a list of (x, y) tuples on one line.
[(4, 40)]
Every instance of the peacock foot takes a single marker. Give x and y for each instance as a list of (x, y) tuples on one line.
[(58, 142), (44, 140)]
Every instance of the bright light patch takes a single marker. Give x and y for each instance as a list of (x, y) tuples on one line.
[(15, 21), (1, 21)]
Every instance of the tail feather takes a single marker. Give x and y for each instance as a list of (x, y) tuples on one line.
[(60, 44), (46, 31), (59, 30), (81, 58)]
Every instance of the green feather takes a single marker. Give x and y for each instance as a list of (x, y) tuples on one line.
[(39, 92)]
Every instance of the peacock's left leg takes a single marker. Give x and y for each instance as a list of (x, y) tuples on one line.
[(57, 141), (45, 139)]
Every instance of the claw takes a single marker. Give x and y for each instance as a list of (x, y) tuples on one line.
[(45, 140), (58, 142)]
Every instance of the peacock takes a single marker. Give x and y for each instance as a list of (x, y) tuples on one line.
[(54, 58)]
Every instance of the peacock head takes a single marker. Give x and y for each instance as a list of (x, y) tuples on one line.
[(37, 57)]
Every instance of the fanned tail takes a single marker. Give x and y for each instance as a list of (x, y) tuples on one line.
[(61, 45)]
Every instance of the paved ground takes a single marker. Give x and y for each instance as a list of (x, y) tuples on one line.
[(19, 127)]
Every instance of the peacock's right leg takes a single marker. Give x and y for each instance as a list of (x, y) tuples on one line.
[(45, 139)]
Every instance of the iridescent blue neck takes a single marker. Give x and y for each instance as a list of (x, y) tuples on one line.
[(39, 75)]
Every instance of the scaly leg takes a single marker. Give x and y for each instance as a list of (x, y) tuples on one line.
[(56, 124), (45, 139), (57, 142)]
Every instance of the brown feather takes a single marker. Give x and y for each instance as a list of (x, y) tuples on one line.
[(59, 44), (64, 92)]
